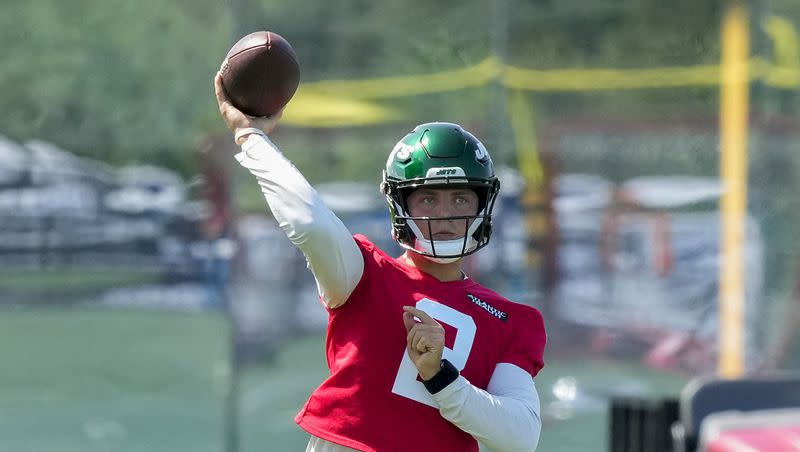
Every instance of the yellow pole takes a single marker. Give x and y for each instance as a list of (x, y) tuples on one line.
[(523, 125), (522, 115), (733, 172)]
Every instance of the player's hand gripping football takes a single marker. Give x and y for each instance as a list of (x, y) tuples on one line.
[(425, 341), (235, 119)]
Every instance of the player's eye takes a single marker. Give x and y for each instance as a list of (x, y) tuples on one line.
[(464, 200)]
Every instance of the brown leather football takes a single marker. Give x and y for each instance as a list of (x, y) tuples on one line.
[(260, 73)]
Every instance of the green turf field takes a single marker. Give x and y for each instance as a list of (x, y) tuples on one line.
[(79, 380), (61, 278)]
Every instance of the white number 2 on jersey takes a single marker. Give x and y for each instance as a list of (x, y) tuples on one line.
[(406, 384)]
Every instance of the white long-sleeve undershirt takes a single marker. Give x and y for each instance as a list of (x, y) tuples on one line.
[(505, 417), (332, 254)]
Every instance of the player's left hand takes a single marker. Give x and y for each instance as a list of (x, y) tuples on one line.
[(425, 341)]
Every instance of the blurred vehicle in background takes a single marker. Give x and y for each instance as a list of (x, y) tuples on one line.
[(53, 213), (639, 266), (63, 214), (146, 188), (13, 163)]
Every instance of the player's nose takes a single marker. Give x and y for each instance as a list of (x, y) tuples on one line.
[(445, 209)]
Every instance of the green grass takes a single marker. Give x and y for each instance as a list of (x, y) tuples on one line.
[(118, 380), (272, 396), (76, 380), (60, 278)]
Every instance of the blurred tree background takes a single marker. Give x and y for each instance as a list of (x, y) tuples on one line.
[(128, 82)]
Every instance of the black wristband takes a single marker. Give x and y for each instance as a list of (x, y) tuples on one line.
[(446, 375)]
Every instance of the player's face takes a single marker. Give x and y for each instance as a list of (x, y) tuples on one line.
[(442, 203)]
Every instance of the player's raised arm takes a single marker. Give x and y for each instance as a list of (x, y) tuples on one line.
[(331, 252)]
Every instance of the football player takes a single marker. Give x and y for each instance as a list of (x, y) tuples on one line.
[(421, 357)]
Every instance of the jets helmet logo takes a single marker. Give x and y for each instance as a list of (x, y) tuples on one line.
[(480, 152), (402, 151)]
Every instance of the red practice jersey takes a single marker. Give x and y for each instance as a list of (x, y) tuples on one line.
[(373, 399)]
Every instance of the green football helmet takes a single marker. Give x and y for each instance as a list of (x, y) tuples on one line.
[(439, 155)]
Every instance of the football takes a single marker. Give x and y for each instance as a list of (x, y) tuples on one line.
[(260, 73)]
